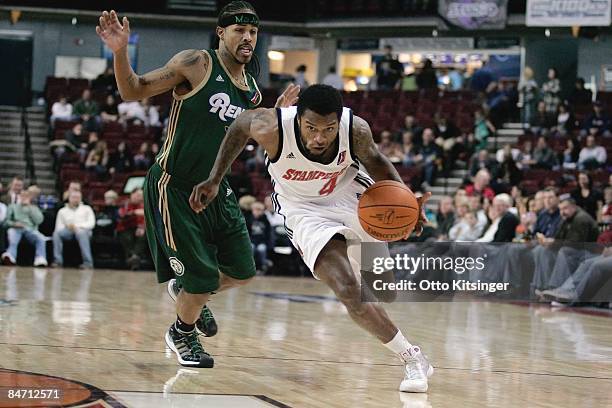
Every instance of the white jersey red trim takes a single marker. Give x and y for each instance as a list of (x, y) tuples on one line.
[(297, 178)]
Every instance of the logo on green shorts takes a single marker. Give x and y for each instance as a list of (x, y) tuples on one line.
[(177, 266)]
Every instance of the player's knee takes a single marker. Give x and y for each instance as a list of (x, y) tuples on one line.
[(347, 290)]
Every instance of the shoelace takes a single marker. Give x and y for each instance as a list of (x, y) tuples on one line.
[(414, 371), (207, 315), (194, 344)]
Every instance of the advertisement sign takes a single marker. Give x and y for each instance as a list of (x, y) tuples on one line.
[(566, 13), (474, 14)]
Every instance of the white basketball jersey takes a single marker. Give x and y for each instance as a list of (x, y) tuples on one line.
[(297, 178)]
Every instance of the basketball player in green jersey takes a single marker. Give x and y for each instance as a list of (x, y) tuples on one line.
[(209, 251)]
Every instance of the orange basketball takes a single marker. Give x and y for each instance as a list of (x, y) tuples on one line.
[(388, 210)]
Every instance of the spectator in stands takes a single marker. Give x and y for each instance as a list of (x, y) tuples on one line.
[(245, 203), (549, 217), (466, 230), (412, 156), (598, 123), (105, 82), (480, 185), (13, 195), (389, 148), (525, 230), (592, 156), (86, 148), (131, 229), (576, 227), (389, 70), (498, 100), (106, 218), (109, 111), (410, 125), (506, 229), (528, 96), (569, 157), (22, 221), (551, 91), (432, 156), (87, 111), (501, 154), (526, 156), (445, 130), (144, 158), (300, 77), (151, 113), (97, 160), (121, 160), (542, 120), (274, 218), (261, 235), (61, 110), (585, 196), (591, 277), (34, 191), (566, 122), (482, 78), (456, 79), (475, 203), (427, 79), (73, 185), (580, 96), (543, 156), (507, 174), (483, 128), (605, 214), (333, 79), (481, 160), (445, 217), (75, 221), (132, 112)]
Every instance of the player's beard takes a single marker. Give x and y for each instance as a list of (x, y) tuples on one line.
[(243, 59)]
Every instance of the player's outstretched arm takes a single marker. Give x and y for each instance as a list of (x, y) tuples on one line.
[(136, 87), (259, 124), (377, 164)]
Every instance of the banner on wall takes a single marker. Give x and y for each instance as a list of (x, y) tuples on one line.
[(474, 14), (565, 13)]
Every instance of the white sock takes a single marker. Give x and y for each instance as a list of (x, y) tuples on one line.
[(399, 345)]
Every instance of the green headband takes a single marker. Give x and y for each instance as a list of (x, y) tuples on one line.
[(240, 18)]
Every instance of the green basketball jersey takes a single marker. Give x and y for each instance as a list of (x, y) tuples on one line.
[(198, 121)]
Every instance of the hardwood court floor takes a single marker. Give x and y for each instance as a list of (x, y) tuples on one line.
[(105, 328)]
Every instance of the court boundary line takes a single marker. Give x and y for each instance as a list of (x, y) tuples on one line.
[(261, 397), (320, 361)]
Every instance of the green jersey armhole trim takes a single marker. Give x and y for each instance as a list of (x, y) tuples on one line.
[(201, 84), (256, 90)]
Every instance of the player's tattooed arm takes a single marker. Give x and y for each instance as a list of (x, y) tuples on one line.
[(176, 71), (259, 124), (377, 164)]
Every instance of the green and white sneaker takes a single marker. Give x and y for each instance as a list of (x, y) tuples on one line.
[(206, 325), (188, 348)]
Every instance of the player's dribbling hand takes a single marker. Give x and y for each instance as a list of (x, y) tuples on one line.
[(202, 195), (114, 35), (418, 229), (289, 97)]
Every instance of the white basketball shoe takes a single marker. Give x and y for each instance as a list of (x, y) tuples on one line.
[(417, 371)]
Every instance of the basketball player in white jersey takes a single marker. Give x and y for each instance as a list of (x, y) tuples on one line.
[(314, 152)]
